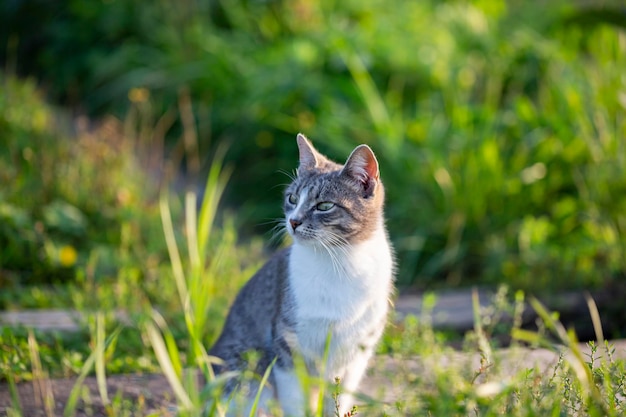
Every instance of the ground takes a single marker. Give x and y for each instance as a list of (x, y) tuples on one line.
[(151, 394), (147, 393)]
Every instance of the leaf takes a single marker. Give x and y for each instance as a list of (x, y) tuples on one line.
[(65, 217)]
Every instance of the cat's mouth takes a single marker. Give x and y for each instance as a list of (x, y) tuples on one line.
[(309, 236), (301, 232)]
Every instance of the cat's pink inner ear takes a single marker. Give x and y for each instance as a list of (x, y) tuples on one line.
[(362, 165), (308, 154)]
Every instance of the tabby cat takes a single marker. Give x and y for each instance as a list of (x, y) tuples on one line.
[(326, 295)]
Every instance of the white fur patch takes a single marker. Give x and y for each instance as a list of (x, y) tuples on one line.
[(289, 392), (349, 297)]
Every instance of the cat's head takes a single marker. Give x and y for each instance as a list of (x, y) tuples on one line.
[(333, 204)]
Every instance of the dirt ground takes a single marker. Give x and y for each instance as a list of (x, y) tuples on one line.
[(150, 394), (145, 394)]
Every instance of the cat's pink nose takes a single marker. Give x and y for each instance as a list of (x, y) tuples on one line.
[(294, 223)]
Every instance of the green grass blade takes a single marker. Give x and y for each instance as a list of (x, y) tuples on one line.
[(99, 359), (530, 337), (213, 191), (549, 320), (40, 381), (72, 401), (590, 391), (170, 343), (165, 361), (172, 247), (257, 397), (595, 318), (15, 396), (483, 343), (191, 230), (322, 376)]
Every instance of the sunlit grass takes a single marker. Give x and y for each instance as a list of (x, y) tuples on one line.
[(501, 149), (419, 373)]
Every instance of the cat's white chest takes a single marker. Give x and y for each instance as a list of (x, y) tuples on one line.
[(345, 292)]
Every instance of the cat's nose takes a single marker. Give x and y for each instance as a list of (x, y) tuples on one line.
[(294, 223)]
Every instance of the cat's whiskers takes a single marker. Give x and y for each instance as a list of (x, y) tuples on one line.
[(340, 248), (338, 267), (271, 221), (278, 231), (334, 245), (339, 243), (338, 251), (337, 240), (291, 175)]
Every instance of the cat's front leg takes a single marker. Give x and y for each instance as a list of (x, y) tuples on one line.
[(352, 378), (289, 392)]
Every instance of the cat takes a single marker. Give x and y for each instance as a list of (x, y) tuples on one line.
[(325, 296)]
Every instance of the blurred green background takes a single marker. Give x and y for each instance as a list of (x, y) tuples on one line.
[(499, 126)]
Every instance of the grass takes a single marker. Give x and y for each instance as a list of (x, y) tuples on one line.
[(504, 130), (427, 377), (500, 120)]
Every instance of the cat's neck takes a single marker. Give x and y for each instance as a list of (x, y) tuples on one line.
[(356, 263), (341, 284)]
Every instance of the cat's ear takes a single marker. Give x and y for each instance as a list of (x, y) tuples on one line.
[(310, 158), (362, 167)]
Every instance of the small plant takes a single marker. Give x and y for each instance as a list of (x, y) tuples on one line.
[(335, 397)]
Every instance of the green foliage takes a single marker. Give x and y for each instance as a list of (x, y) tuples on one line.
[(429, 377), (64, 354), (498, 124), (419, 375), (206, 270), (80, 213), (66, 200)]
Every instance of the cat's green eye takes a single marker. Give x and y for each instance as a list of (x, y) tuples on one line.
[(325, 206), (293, 199)]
